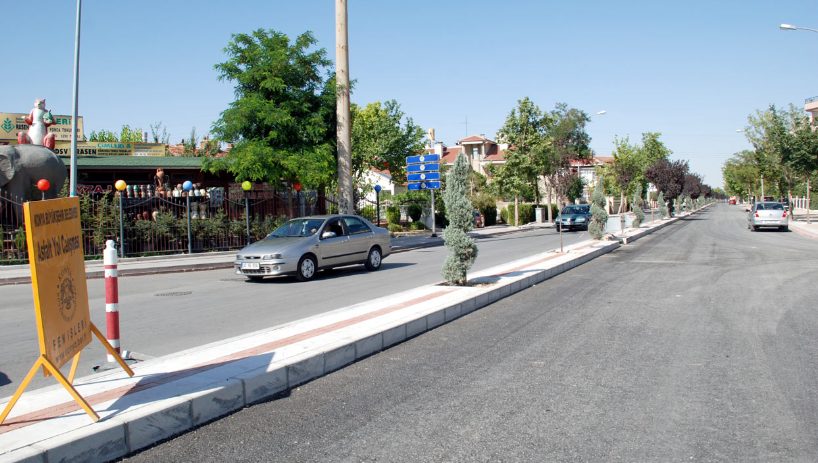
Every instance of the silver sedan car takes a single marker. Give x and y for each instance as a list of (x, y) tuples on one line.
[(768, 214), (305, 245)]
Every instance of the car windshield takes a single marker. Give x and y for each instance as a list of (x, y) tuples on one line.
[(298, 227), (769, 207), (575, 210)]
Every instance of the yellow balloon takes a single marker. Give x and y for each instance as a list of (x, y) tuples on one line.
[(246, 185), (120, 185)]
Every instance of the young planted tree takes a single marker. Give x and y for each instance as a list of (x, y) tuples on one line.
[(637, 207), (663, 212), (600, 218), (459, 213)]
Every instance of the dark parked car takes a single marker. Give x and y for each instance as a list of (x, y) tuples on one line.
[(574, 217)]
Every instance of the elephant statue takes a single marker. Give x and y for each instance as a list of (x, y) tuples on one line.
[(22, 166)]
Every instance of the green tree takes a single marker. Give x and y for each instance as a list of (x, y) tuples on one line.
[(771, 134), (459, 213), (282, 123), (191, 148), (741, 174), (380, 139), (159, 133), (526, 159), (623, 173), (126, 134)]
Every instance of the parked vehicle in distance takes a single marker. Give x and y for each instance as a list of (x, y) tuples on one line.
[(732, 200), (574, 217), (768, 214), (303, 246), (479, 221)]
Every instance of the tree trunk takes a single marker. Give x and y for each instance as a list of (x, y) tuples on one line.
[(290, 199), (516, 210), (548, 191)]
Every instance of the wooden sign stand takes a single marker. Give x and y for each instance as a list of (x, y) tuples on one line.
[(67, 383), (64, 328)]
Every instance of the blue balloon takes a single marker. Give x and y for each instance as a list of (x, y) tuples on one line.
[(377, 188), (188, 185)]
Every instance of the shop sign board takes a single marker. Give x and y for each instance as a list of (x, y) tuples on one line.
[(12, 123), (109, 148)]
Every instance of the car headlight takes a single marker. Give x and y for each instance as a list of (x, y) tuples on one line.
[(581, 219), (271, 257)]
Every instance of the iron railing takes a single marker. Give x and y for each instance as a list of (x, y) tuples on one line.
[(148, 225)]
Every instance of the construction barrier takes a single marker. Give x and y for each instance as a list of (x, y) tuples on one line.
[(111, 297)]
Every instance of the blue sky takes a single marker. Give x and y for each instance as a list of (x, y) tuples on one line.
[(691, 70)]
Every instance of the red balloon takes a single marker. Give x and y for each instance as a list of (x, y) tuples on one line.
[(297, 186), (43, 185)]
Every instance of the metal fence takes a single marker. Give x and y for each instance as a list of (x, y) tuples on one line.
[(154, 225)]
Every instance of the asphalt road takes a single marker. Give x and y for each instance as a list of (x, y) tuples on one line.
[(696, 343), (164, 314)]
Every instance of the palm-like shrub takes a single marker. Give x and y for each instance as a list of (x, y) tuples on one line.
[(600, 217), (459, 212)]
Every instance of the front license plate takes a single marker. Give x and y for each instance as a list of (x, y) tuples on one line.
[(250, 265)]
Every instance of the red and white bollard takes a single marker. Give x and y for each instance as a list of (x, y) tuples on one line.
[(111, 297)]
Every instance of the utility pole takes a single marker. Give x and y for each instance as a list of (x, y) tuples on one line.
[(345, 205)]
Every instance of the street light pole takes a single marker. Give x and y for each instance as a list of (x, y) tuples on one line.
[(73, 181), (790, 27)]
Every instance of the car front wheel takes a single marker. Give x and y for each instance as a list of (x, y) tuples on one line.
[(306, 268), (373, 261)]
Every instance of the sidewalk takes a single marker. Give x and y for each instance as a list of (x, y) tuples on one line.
[(798, 222), (173, 394)]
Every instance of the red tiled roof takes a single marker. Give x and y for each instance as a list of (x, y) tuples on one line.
[(495, 154), (474, 138), (450, 154)]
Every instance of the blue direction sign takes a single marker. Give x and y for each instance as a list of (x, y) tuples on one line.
[(433, 167), (423, 158), (423, 177), (424, 186)]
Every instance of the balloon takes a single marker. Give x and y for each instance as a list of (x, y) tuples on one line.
[(188, 185), (246, 185), (43, 185), (120, 185)]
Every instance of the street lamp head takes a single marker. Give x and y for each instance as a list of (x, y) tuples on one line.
[(788, 27)]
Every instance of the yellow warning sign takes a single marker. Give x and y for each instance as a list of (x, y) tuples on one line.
[(54, 237)]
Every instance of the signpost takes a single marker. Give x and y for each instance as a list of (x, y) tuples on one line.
[(64, 326), (423, 173)]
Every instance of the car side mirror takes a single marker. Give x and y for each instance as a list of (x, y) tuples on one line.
[(329, 234), (746, 209)]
